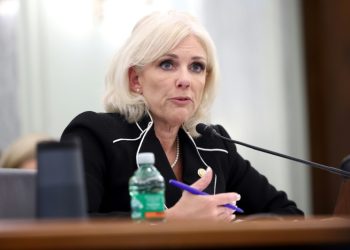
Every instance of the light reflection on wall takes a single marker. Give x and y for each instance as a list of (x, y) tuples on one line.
[(8, 7), (71, 17), (116, 18), (112, 20)]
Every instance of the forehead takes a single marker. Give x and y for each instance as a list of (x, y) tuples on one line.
[(190, 46)]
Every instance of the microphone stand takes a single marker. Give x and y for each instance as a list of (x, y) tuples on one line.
[(342, 206), (333, 170)]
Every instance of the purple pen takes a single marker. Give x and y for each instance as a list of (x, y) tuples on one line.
[(192, 190)]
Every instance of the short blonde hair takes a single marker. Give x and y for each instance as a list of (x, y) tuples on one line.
[(21, 150), (152, 37)]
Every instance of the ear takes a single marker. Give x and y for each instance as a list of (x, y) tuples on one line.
[(134, 84)]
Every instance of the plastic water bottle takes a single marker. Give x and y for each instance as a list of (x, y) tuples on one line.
[(146, 188)]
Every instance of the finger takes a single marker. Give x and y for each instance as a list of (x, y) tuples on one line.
[(231, 218), (224, 211), (204, 181), (228, 218), (226, 215), (226, 198)]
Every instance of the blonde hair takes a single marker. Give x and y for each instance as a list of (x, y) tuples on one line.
[(21, 150), (152, 37)]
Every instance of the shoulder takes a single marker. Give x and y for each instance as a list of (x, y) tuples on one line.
[(97, 123), (92, 119)]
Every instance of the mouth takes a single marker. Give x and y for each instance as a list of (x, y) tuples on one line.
[(181, 99)]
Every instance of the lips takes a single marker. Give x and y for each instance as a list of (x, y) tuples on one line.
[(181, 99)]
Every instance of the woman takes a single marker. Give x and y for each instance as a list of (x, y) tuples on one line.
[(160, 85), (21, 153)]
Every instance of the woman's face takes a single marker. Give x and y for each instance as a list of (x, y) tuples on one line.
[(173, 85)]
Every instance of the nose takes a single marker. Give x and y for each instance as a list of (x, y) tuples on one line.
[(184, 79)]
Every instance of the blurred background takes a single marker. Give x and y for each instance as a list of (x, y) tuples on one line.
[(285, 76)]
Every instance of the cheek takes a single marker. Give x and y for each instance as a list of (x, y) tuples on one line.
[(199, 89), (154, 90), (199, 94), (152, 81)]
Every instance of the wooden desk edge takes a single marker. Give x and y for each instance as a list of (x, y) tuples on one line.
[(117, 234)]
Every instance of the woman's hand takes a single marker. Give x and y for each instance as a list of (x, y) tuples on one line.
[(209, 207)]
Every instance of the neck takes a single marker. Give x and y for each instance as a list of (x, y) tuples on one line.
[(170, 144), (167, 137)]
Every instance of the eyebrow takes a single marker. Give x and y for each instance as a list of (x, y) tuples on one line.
[(193, 58)]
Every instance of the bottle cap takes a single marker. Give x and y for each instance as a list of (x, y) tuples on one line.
[(145, 158)]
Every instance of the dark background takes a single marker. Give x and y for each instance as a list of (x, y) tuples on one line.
[(326, 26)]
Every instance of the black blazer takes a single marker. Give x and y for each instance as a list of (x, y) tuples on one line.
[(110, 145)]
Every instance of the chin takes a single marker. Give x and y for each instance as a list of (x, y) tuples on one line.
[(179, 119)]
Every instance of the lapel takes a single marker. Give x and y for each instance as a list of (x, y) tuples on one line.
[(152, 144), (193, 158), (192, 162)]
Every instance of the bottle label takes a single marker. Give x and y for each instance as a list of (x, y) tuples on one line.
[(147, 206)]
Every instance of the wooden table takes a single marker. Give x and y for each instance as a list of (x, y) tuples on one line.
[(296, 233)]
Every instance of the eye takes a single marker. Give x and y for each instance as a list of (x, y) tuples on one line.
[(197, 67), (167, 64)]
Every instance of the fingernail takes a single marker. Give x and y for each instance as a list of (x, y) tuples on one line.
[(201, 172), (238, 197), (208, 169)]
